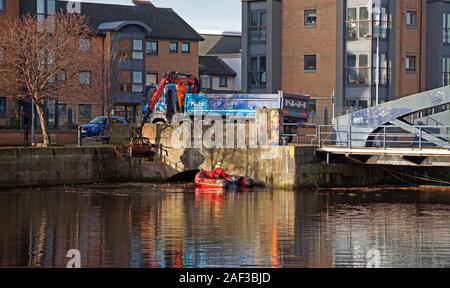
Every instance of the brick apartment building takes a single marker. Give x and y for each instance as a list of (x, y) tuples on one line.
[(153, 40), (320, 46)]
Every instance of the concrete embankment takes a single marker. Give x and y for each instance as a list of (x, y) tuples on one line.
[(272, 166), (63, 166), (287, 166)]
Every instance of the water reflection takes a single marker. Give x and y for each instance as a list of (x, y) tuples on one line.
[(145, 225)]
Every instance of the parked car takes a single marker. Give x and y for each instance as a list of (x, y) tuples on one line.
[(97, 126)]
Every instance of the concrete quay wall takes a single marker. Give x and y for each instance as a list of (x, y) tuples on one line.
[(65, 166)]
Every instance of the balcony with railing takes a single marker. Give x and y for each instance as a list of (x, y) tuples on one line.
[(366, 76), (357, 30), (366, 29), (358, 76)]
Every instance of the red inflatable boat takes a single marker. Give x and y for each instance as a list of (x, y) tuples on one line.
[(203, 180)]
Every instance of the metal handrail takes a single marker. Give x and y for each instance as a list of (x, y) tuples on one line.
[(384, 137)]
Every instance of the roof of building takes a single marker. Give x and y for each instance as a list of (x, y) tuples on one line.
[(218, 32), (117, 25), (220, 44), (214, 66), (163, 22)]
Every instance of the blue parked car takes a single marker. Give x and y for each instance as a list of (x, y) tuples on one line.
[(97, 126)]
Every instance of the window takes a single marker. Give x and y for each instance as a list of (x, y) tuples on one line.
[(446, 28), (173, 47), (2, 5), (85, 111), (40, 7), (137, 82), (384, 70), (40, 14), (410, 63), (446, 70), (62, 110), (310, 17), (85, 78), (51, 7), (310, 62), (411, 19), (137, 54), (151, 78), (363, 104), (358, 69), (125, 81), (363, 13), (358, 24), (257, 26), (62, 76), (257, 73), (381, 23), (223, 82), (206, 82), (152, 47), (85, 44), (186, 48), (351, 14), (2, 103), (350, 103), (312, 106)]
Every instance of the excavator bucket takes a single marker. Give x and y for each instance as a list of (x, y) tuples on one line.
[(141, 147)]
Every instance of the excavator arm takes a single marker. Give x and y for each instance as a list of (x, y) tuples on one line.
[(171, 78), (152, 102)]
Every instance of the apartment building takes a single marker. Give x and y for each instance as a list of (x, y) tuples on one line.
[(345, 54), (153, 41), (438, 54), (8, 8), (227, 46)]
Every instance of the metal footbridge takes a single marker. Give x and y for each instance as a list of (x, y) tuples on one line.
[(414, 130)]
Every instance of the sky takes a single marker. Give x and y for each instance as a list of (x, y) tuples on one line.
[(224, 15)]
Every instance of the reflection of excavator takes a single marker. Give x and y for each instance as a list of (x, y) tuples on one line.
[(141, 146)]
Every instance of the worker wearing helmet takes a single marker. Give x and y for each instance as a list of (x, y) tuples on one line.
[(218, 171), (181, 91)]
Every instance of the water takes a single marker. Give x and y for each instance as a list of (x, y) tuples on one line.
[(146, 225)]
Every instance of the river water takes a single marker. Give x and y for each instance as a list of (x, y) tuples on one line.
[(148, 225)]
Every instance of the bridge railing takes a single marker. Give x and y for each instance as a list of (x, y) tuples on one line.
[(384, 137)]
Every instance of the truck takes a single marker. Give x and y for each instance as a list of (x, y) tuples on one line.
[(162, 102)]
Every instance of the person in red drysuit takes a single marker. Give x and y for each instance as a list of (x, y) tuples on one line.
[(218, 172)]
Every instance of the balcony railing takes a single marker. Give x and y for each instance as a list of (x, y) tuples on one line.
[(366, 76), (358, 76), (359, 30), (366, 29)]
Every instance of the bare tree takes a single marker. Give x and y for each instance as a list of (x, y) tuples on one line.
[(109, 72), (42, 58)]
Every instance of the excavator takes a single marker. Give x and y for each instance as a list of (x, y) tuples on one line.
[(140, 146), (163, 105)]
